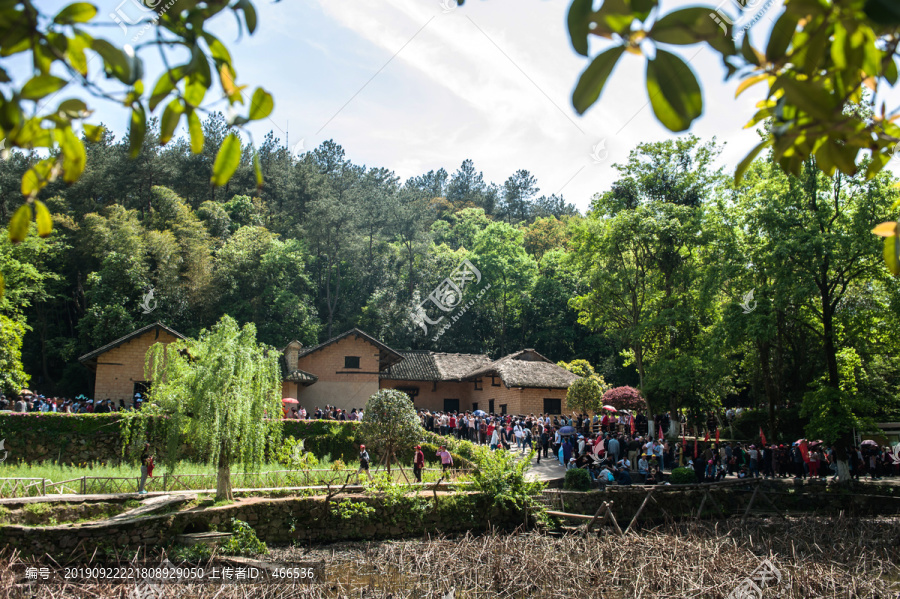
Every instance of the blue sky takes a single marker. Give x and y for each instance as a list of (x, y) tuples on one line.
[(412, 86)]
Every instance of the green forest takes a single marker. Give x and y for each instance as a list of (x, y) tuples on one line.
[(677, 281)]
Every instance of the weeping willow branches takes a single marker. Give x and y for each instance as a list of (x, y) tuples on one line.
[(221, 395)]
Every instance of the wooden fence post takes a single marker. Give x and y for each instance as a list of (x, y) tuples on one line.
[(83, 485)]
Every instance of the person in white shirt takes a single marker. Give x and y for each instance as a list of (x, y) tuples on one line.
[(520, 436), (495, 438)]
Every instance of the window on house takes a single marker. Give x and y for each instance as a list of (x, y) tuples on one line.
[(490, 406), (474, 405), (552, 405), (502, 409), (478, 385), (351, 361), (494, 382)]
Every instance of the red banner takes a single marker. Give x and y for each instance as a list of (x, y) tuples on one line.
[(762, 436)]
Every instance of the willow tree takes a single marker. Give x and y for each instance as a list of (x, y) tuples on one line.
[(218, 392), (390, 425)]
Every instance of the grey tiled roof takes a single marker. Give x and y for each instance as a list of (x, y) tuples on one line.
[(434, 366)]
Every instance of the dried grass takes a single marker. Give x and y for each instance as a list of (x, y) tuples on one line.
[(817, 557)]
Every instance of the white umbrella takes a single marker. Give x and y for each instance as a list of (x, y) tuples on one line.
[(610, 408)]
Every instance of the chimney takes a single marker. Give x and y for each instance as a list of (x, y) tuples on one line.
[(292, 355)]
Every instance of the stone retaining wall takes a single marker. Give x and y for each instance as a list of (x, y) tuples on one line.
[(627, 500), (276, 521)]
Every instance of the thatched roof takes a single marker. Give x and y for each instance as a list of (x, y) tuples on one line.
[(434, 366), (386, 356), (89, 359), (527, 368)]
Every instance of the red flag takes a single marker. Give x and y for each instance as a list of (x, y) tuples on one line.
[(762, 437), (717, 436), (706, 439), (632, 425), (660, 432)]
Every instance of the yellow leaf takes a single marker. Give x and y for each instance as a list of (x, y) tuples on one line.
[(749, 82), (887, 229), (892, 255), (227, 77), (18, 224), (43, 218)]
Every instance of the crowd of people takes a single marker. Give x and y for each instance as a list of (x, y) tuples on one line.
[(298, 412), (26, 402), (619, 449)]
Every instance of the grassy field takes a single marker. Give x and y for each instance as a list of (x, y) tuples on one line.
[(108, 478), (58, 472)]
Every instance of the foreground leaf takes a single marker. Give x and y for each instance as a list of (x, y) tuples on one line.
[(674, 91), (227, 160), (592, 80)]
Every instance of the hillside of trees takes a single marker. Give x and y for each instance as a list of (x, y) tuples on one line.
[(700, 292)]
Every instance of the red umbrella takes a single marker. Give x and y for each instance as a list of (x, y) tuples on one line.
[(610, 408), (289, 400)]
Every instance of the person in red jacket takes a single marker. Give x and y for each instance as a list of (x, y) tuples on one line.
[(419, 463)]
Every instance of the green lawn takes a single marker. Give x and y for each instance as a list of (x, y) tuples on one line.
[(108, 478)]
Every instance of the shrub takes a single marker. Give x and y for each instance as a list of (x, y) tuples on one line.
[(292, 454), (577, 479), (195, 553), (683, 476), (624, 398), (501, 482), (244, 541), (352, 510)]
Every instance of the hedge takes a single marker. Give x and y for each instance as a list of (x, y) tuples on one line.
[(340, 439)]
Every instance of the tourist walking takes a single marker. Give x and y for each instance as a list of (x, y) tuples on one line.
[(446, 458), (363, 461), (146, 461), (418, 463)]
